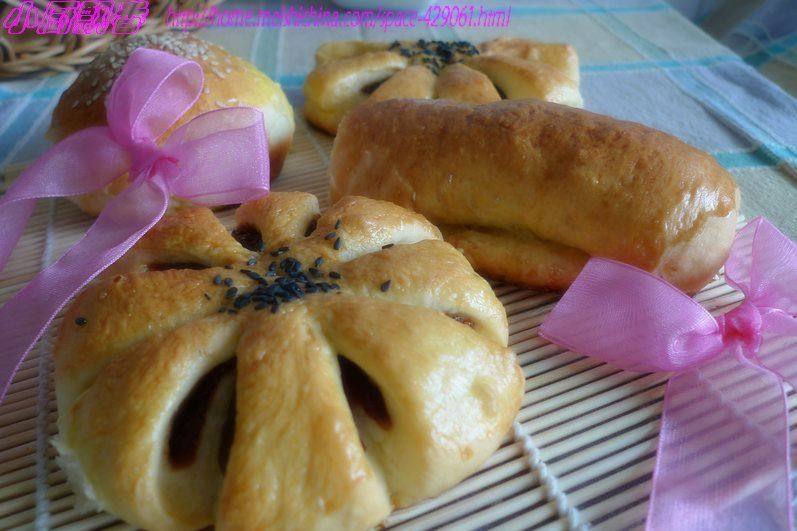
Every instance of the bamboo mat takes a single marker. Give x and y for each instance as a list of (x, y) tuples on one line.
[(581, 453)]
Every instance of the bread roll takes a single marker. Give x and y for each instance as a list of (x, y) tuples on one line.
[(349, 73), (529, 190), (320, 396), (229, 82)]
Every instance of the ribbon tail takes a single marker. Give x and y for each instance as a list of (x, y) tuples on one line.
[(122, 223), (83, 162), (723, 455), (13, 218)]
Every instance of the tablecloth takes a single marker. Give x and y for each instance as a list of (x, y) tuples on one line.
[(762, 32)]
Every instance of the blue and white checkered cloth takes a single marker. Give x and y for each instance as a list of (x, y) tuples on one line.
[(763, 33), (641, 60)]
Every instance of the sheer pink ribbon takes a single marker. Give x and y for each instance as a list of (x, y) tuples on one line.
[(219, 157), (723, 455)]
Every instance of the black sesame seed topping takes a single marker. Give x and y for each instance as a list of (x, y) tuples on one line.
[(206, 296), (241, 301), (330, 235), (385, 286), (289, 282), (228, 266), (337, 224), (81, 321), (281, 250), (336, 245), (434, 54), (388, 246), (254, 276), (252, 261)]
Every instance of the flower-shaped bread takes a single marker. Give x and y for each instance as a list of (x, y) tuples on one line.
[(348, 73), (309, 370)]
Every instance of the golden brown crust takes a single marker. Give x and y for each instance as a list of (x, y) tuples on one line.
[(555, 184), (305, 449), (413, 82), (461, 83), (228, 81), (528, 261), (520, 79), (334, 50), (347, 72), (562, 57), (336, 86)]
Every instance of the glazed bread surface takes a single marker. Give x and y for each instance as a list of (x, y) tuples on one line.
[(529, 190), (324, 411), (229, 81), (349, 73)]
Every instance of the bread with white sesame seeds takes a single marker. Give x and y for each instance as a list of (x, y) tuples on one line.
[(229, 81), (335, 385), (348, 73), (530, 190)]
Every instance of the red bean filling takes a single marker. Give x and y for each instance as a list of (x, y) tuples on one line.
[(361, 391), (249, 237), (311, 227), (371, 87), (227, 435), (461, 319), (187, 425)]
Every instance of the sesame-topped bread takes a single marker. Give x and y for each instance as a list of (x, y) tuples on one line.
[(348, 73), (307, 371), (229, 82), (530, 190)]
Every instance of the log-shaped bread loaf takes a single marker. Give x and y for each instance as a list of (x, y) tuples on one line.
[(529, 190)]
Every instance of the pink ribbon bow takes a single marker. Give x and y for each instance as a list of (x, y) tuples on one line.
[(219, 157), (723, 455)]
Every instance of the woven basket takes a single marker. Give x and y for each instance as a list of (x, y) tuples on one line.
[(30, 52)]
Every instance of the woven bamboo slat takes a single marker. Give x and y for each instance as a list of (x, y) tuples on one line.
[(594, 425)]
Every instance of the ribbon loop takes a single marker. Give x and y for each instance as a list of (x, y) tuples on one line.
[(630, 318), (152, 92), (225, 138), (762, 266)]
